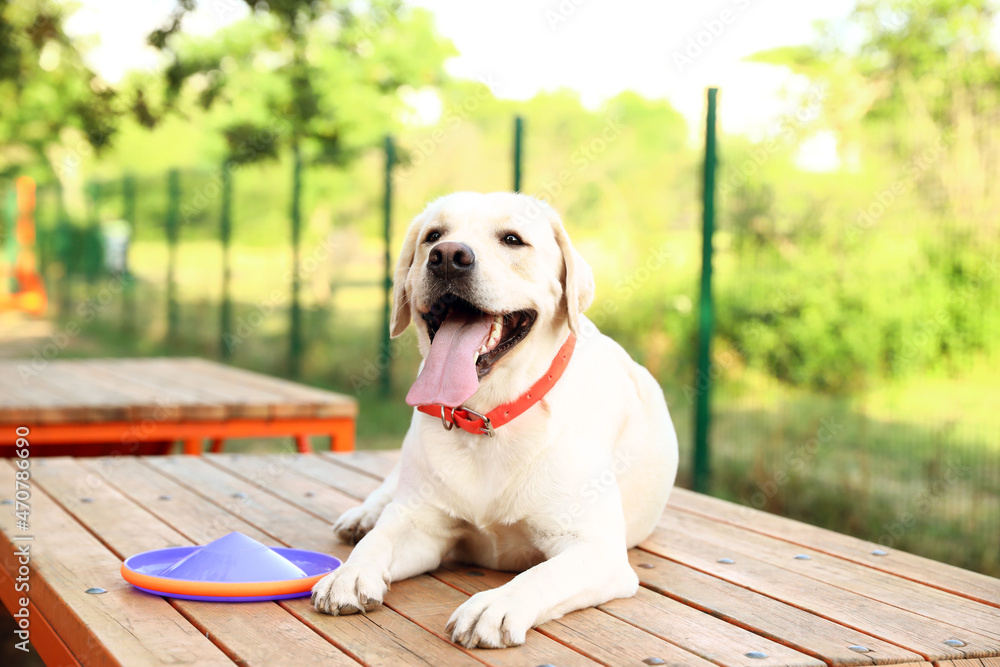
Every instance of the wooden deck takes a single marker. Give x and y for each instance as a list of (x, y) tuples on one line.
[(720, 584), (122, 405)]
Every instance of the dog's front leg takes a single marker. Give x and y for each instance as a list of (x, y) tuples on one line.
[(356, 522), (584, 574), (405, 542)]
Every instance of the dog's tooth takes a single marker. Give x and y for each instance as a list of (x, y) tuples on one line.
[(475, 357)]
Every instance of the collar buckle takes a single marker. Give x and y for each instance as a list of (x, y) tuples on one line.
[(487, 427)]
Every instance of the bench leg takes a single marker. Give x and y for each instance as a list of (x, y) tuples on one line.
[(342, 436), (303, 445), (217, 445), (193, 446)]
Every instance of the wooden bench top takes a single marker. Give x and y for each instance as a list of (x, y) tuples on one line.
[(721, 584), (161, 389)]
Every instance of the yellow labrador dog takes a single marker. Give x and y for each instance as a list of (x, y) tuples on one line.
[(537, 444)]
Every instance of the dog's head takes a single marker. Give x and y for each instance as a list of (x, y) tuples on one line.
[(482, 275)]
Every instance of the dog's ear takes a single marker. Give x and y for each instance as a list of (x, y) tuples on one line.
[(577, 279), (400, 295)]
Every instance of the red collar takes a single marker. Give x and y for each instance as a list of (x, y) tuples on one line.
[(473, 422)]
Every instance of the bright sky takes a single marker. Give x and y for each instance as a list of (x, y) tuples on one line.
[(662, 49)]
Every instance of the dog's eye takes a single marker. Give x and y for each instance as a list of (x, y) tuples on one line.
[(432, 237), (512, 239)]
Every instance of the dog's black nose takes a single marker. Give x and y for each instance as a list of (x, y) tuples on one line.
[(451, 260)]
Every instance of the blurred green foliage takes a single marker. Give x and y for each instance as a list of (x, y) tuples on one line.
[(48, 98)]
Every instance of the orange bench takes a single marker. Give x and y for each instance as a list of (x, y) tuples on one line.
[(142, 406)]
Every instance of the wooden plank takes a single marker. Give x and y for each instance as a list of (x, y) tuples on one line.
[(953, 579), (383, 638), (348, 481), (700, 633), (14, 408), (121, 626), (323, 403), (42, 638), (99, 402), (253, 502), (193, 404), (143, 402), (274, 475), (168, 501), (911, 631), (780, 622), (590, 631), (377, 463), (151, 400), (265, 394), (430, 603), (933, 603), (976, 662), (50, 405), (238, 400), (128, 528)]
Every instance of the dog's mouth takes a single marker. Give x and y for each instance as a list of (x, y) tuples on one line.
[(466, 342), (506, 329)]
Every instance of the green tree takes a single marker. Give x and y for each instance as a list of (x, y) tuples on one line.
[(924, 77), (322, 77), (53, 109)]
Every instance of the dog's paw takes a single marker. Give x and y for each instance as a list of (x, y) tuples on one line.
[(355, 523), (350, 589), (491, 619)]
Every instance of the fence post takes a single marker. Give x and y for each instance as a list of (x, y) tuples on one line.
[(62, 249), (518, 151), (225, 232), (128, 288), (41, 238), (385, 357), (703, 381), (93, 250), (295, 312), (173, 207)]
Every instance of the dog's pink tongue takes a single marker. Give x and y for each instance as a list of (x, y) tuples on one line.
[(449, 374)]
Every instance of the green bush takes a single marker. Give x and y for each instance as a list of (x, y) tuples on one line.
[(836, 324)]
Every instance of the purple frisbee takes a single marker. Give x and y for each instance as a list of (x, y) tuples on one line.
[(234, 568)]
